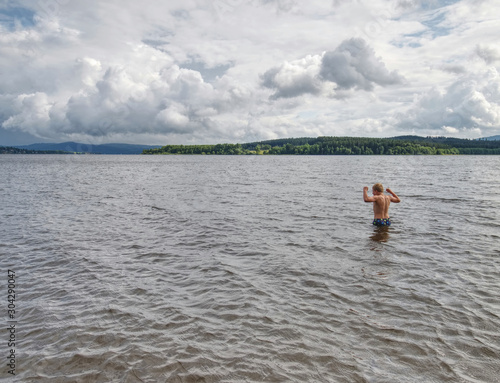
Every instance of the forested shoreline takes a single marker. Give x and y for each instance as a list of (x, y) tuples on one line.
[(13, 150), (403, 145)]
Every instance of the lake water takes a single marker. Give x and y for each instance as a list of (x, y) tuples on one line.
[(251, 269)]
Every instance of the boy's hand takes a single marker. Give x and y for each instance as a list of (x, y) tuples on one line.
[(366, 198), (388, 190)]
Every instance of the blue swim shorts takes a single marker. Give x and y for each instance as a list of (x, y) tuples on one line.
[(382, 222)]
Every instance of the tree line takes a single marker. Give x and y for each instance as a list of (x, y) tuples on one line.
[(403, 145), (12, 150)]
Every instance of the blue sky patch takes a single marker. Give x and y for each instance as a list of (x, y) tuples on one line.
[(438, 3), (10, 17), (435, 25)]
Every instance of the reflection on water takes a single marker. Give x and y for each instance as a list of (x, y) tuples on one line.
[(380, 234)]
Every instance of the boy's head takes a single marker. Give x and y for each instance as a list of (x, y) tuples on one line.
[(378, 188)]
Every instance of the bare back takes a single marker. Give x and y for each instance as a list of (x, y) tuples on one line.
[(381, 206), (381, 202)]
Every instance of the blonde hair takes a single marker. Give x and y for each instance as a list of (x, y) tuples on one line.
[(378, 187)]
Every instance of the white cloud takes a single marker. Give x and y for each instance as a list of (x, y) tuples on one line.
[(450, 130), (173, 117), (295, 78), (233, 70), (470, 104), (352, 65), (32, 112)]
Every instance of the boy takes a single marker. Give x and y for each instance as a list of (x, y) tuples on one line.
[(381, 204)]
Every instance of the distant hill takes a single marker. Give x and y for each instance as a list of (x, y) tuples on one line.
[(492, 138), (75, 147), (12, 150)]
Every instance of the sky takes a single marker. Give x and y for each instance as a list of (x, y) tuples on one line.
[(228, 71)]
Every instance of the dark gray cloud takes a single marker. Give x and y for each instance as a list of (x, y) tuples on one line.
[(455, 69)]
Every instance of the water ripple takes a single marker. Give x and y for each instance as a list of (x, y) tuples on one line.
[(252, 269)]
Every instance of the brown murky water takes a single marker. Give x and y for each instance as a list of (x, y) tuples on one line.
[(251, 269)]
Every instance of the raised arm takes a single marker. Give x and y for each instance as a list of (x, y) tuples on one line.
[(366, 198), (394, 198)]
